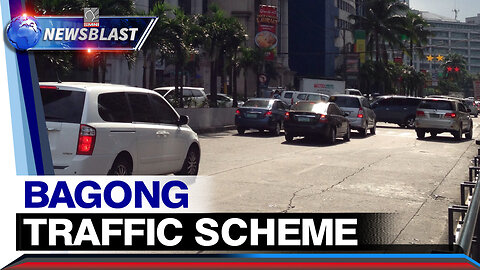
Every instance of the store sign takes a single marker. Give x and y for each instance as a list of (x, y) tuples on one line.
[(266, 37)]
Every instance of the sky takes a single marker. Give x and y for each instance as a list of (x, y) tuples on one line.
[(468, 8)]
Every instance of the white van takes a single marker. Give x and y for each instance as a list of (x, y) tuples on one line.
[(99, 129)]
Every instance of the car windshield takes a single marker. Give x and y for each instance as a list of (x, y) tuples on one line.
[(310, 107), (346, 102), (257, 103), (436, 105)]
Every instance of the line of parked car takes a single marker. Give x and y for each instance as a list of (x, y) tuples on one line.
[(336, 116)]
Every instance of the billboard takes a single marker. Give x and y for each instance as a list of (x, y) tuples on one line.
[(266, 37)]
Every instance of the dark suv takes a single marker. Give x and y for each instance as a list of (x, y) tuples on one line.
[(396, 110)]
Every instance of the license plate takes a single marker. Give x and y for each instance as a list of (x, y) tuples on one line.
[(434, 115), (251, 115), (303, 119)]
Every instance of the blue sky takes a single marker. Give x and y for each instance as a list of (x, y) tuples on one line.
[(468, 8)]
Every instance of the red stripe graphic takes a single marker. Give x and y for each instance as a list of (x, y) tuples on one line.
[(234, 265)]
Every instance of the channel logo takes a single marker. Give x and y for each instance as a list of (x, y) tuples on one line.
[(91, 17), (23, 32)]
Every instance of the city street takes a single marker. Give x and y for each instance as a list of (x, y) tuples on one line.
[(391, 172)]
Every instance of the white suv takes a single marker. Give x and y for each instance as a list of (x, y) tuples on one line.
[(98, 129), (193, 97)]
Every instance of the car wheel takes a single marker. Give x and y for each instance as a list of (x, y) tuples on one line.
[(433, 134), (276, 130), (241, 131), (332, 136), (121, 166), (420, 133), (288, 137), (346, 137), (363, 132), (458, 134), (373, 130), (191, 163), (469, 135), (410, 123)]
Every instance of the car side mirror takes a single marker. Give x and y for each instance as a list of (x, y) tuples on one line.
[(469, 111), (183, 120)]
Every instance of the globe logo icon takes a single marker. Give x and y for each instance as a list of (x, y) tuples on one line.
[(23, 32)]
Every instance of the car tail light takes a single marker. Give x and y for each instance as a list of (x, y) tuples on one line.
[(86, 140), (237, 112), (360, 113), (269, 113), (450, 115), (323, 118), (48, 87), (287, 116), (420, 113)]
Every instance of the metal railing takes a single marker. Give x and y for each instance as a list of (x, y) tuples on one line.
[(464, 232)]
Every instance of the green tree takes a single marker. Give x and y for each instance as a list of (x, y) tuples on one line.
[(455, 74), (416, 29), (383, 21), (223, 36)]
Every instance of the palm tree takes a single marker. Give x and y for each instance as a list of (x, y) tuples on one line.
[(223, 36), (384, 21), (415, 29), (455, 73)]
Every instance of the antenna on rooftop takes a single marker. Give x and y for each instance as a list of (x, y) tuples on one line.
[(456, 10)]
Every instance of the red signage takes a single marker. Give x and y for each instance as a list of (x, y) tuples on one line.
[(266, 37)]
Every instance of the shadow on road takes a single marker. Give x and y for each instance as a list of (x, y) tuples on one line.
[(311, 142), (393, 127), (257, 134), (443, 139)]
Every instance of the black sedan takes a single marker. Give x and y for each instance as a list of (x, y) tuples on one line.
[(310, 119)]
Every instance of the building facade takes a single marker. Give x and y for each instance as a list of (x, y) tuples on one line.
[(450, 36), (321, 37)]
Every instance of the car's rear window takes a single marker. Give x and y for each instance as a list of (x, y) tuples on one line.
[(436, 105), (62, 105), (288, 95), (310, 107), (317, 98), (346, 102), (257, 103)]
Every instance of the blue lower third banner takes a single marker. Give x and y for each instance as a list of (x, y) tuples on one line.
[(73, 33)]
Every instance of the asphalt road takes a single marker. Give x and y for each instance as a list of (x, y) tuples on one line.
[(390, 172)]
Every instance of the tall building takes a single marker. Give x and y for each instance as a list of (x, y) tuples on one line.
[(451, 36), (320, 36)]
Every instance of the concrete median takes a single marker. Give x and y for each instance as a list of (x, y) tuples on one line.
[(204, 120)]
